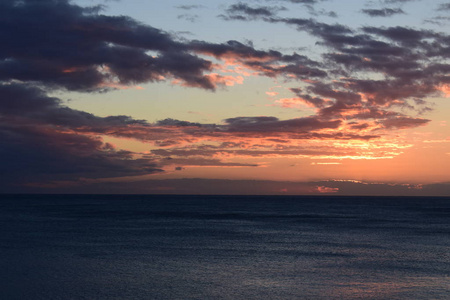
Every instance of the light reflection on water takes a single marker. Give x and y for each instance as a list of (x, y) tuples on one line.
[(142, 247), (399, 288)]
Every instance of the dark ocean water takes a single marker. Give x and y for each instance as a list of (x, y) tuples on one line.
[(224, 247)]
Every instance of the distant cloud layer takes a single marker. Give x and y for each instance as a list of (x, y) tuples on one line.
[(60, 46)]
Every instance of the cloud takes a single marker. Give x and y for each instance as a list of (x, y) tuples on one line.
[(188, 17), (272, 124), (43, 139), (30, 105), (195, 186), (31, 153), (398, 1), (189, 7), (69, 140), (304, 1), (439, 20), (310, 100), (444, 6), (242, 11), (399, 54), (205, 162), (266, 63), (403, 122), (359, 86), (327, 190), (78, 49), (385, 12)]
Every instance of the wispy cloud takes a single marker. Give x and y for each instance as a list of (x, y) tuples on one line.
[(384, 12), (189, 7), (444, 6)]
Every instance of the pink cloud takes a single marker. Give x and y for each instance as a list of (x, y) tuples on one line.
[(224, 80), (295, 102), (327, 190)]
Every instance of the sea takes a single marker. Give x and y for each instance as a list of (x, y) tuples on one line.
[(223, 247)]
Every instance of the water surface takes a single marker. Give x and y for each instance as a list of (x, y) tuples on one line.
[(224, 247)]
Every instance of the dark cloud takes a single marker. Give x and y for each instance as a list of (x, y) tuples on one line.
[(397, 1), (312, 10), (177, 123), (28, 104), (241, 11), (189, 7), (170, 132), (404, 35), (268, 63), (400, 55), (322, 12), (188, 17), (444, 6), (397, 52), (201, 161), (244, 12), (233, 49), (59, 44), (31, 153), (439, 20), (314, 101), (199, 155), (272, 124), (403, 122), (254, 127), (197, 186), (384, 12), (42, 138), (304, 1)]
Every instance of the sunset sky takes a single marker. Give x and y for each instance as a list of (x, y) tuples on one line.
[(345, 97)]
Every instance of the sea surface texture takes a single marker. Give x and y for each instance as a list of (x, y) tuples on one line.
[(223, 247)]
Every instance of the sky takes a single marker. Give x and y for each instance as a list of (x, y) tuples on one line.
[(294, 97)]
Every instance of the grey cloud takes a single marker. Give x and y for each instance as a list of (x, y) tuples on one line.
[(29, 152), (261, 11), (444, 6), (189, 7), (272, 124), (177, 123), (384, 12), (398, 1), (201, 161), (41, 138), (197, 186), (59, 45), (188, 17), (403, 122), (265, 62), (304, 1), (78, 49), (28, 104), (399, 54), (404, 35), (315, 101)]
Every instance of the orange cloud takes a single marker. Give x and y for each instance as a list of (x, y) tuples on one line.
[(295, 102), (224, 80), (445, 89), (327, 190)]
